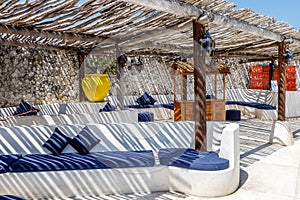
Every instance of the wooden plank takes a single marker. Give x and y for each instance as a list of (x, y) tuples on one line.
[(199, 88), (282, 82)]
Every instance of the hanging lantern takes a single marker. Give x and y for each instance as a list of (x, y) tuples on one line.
[(122, 60), (208, 43), (287, 56), (139, 64)]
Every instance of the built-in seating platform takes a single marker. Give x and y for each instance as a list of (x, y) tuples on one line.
[(130, 158)]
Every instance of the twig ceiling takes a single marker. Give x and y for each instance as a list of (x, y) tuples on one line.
[(86, 24)]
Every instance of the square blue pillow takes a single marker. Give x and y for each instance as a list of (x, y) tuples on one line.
[(25, 109), (145, 99), (107, 108), (7, 160), (57, 142), (88, 139), (77, 144), (151, 99)]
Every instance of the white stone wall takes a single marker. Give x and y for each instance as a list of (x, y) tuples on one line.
[(43, 77), (37, 76)]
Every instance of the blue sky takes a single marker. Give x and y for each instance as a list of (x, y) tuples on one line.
[(282, 10)]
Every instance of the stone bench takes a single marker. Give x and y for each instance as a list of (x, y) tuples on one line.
[(84, 118), (222, 138)]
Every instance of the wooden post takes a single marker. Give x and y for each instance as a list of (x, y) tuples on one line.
[(216, 86), (183, 87), (199, 88), (183, 96), (282, 82), (224, 86), (81, 56), (120, 83)]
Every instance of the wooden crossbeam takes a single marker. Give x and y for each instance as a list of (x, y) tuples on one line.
[(44, 47), (149, 35), (48, 34), (180, 9), (246, 47)]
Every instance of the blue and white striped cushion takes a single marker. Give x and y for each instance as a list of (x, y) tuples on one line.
[(48, 162), (88, 138), (74, 161), (78, 145), (25, 109), (7, 160), (123, 159), (57, 142), (11, 197)]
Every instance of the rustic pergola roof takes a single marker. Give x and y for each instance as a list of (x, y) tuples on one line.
[(85, 24), (188, 68)]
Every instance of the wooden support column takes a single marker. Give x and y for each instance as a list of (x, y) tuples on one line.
[(81, 56), (282, 82), (183, 87), (199, 88), (183, 95), (120, 83), (224, 86)]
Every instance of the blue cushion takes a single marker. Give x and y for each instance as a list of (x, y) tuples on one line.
[(135, 106), (191, 159), (252, 104), (209, 96), (166, 156), (145, 99), (25, 109), (210, 162), (74, 161), (233, 115), (7, 160), (87, 138), (57, 142), (49, 162), (168, 105), (121, 159), (107, 108), (152, 100), (11, 197), (145, 117), (77, 144)]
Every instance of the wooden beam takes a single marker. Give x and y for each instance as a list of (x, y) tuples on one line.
[(199, 88), (162, 46), (81, 72), (36, 46), (149, 35), (180, 9), (245, 48), (282, 82), (49, 34), (249, 60), (152, 53)]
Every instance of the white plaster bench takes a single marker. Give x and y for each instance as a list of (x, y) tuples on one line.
[(84, 118), (54, 109), (222, 137)]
